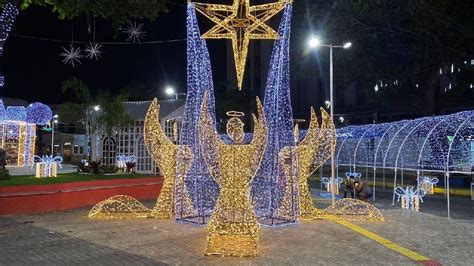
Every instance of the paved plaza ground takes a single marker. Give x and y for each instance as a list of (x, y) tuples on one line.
[(70, 237)]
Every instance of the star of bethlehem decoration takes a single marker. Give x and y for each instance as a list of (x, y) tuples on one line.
[(71, 56), (93, 50), (240, 23), (135, 32)]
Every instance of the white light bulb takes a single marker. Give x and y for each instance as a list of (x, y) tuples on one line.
[(314, 42), (169, 91)]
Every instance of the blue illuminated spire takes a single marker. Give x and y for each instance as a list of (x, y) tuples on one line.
[(269, 184), (200, 185)]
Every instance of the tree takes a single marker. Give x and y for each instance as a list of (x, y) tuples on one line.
[(116, 11), (112, 115), (109, 116), (137, 91), (396, 43)]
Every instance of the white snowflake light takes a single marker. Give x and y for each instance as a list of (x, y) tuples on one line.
[(135, 32), (93, 50), (72, 55)]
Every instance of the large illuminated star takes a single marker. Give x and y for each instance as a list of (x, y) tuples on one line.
[(241, 22)]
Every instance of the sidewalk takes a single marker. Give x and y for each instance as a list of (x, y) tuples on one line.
[(70, 237)]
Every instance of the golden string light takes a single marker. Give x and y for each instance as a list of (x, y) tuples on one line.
[(311, 152), (235, 126), (240, 23), (353, 209), (233, 228), (164, 151), (175, 131), (119, 207), (22, 144)]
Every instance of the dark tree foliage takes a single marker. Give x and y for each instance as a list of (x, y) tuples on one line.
[(116, 11), (407, 41)]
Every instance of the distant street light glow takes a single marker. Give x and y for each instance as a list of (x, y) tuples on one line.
[(96, 108), (347, 45), (314, 42), (169, 90)]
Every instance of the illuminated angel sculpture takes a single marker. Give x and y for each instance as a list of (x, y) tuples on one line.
[(316, 147), (410, 198), (233, 228), (164, 151)]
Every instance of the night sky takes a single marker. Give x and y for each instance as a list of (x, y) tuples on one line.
[(34, 71)]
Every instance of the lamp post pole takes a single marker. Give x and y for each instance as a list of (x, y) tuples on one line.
[(52, 138), (314, 42), (331, 99), (54, 120)]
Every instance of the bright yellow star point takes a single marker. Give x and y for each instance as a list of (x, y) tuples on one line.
[(240, 23)]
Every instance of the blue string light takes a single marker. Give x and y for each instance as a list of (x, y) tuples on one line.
[(16, 113), (38, 113), (3, 112), (7, 18), (200, 185), (421, 144), (269, 184)]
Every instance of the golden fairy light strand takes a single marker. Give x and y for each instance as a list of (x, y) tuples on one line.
[(164, 152), (233, 228), (312, 152), (353, 209), (119, 207), (240, 23), (235, 126)]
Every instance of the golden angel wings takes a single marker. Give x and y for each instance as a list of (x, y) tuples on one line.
[(156, 140), (318, 145)]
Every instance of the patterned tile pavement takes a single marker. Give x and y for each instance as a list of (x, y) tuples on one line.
[(71, 238)]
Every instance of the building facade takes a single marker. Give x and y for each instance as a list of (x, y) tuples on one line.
[(130, 140)]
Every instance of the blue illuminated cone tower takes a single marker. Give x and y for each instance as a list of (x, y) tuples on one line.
[(200, 186), (270, 182)]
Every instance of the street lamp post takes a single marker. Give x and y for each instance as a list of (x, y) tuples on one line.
[(170, 91), (53, 121), (314, 42)]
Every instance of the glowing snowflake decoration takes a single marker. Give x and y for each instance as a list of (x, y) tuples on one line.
[(135, 32), (72, 55), (93, 50)]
